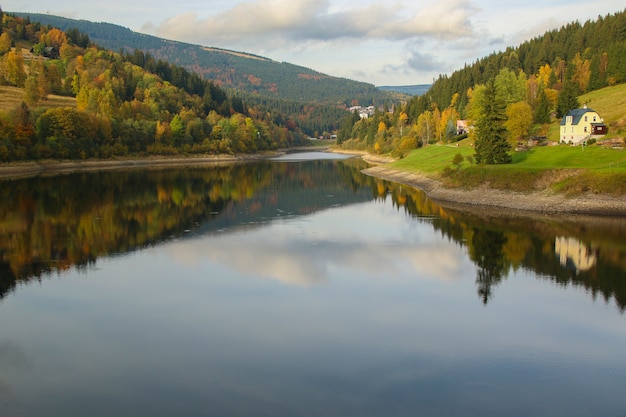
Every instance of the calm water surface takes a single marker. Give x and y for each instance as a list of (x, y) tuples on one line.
[(299, 287)]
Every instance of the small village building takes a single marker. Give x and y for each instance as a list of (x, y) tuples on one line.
[(580, 125), (462, 127), (51, 52), (537, 141), (47, 52), (364, 112)]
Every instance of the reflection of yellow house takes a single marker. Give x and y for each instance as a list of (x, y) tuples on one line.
[(581, 124), (574, 253)]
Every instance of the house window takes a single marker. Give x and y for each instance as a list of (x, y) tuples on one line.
[(585, 129), (594, 118), (585, 118)]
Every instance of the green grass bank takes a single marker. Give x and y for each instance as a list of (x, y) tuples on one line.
[(563, 169)]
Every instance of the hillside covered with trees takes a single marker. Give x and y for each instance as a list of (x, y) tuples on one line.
[(122, 103), (533, 85), (317, 100), (241, 71)]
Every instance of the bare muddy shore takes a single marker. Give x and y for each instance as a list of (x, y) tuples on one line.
[(51, 167), (498, 202), (27, 169)]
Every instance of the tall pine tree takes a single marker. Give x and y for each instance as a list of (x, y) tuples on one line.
[(542, 110), (491, 144), (567, 100)]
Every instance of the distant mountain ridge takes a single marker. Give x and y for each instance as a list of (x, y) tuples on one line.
[(231, 69), (411, 90)]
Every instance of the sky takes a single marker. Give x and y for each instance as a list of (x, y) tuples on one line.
[(393, 42)]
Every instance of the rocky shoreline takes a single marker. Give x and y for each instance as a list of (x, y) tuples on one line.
[(498, 202)]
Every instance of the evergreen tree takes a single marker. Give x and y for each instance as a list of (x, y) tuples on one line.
[(491, 144), (567, 100), (542, 111), (345, 131)]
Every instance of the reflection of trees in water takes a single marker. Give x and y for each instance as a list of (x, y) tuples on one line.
[(592, 256), (486, 251), (50, 224)]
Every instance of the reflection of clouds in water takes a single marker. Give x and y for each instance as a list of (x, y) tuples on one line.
[(311, 156), (13, 356), (308, 258), (443, 262)]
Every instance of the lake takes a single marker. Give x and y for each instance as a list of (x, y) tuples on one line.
[(298, 286)]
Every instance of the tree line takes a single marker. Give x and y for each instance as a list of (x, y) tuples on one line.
[(539, 79), (126, 103)]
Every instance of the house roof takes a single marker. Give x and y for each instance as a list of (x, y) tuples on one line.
[(577, 115)]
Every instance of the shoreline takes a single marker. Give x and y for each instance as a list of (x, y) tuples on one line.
[(28, 169), (498, 202), (22, 169), (483, 200)]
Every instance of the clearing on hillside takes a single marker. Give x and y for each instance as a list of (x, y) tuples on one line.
[(12, 97)]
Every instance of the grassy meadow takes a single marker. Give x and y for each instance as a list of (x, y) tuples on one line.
[(563, 168), (610, 103), (12, 97)]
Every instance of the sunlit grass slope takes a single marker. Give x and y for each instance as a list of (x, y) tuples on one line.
[(12, 97), (610, 103), (563, 168)]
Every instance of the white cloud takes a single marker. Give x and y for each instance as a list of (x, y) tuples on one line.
[(337, 36), (423, 62), (295, 21)]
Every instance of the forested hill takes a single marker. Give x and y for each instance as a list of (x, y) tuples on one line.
[(64, 97), (507, 96), (585, 56), (233, 70)]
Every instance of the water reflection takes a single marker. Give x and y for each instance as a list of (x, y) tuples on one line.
[(306, 251), (580, 251), (299, 288), (574, 254), (486, 250), (51, 224)]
